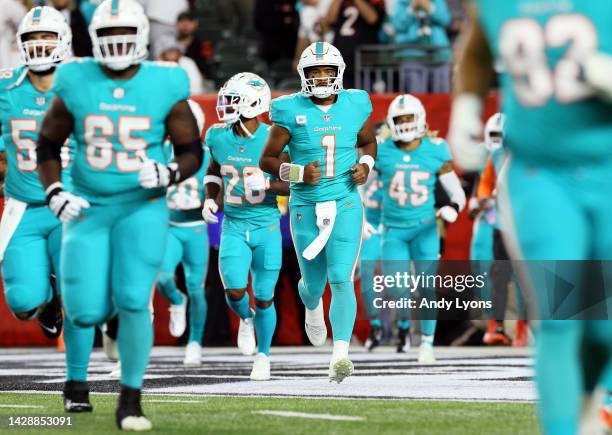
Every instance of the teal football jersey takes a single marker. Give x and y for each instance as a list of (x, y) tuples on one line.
[(116, 122), (552, 115), (22, 108), (371, 195), (409, 180), (328, 137), (238, 157), (2, 148), (193, 187)]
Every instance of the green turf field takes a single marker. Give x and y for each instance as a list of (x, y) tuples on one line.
[(237, 415)]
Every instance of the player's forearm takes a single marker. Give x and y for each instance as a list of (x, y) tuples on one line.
[(332, 13), (279, 187), (369, 14), (270, 164), (211, 187), (49, 172), (49, 160)]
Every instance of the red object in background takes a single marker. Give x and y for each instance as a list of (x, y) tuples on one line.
[(458, 236)]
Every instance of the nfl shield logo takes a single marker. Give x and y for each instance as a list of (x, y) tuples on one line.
[(326, 118), (240, 149), (40, 101), (326, 221), (300, 119), (299, 216), (118, 93)]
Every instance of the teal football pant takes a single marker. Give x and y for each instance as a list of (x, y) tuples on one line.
[(110, 258), (561, 214), (245, 248), (336, 262), (369, 260), (399, 247), (187, 245), (32, 255)]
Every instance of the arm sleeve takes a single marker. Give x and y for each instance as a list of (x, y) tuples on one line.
[(486, 185)]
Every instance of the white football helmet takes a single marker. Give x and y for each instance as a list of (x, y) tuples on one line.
[(407, 131), (244, 94), (42, 55), (494, 132), (119, 52), (321, 54)]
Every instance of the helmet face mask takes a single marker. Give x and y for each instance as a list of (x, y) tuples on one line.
[(494, 132), (44, 39), (315, 60), (406, 118), (119, 35), (244, 95)]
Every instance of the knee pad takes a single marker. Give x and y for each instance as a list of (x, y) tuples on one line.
[(339, 273), (90, 318), (235, 295), (131, 299), (263, 303), (165, 279)]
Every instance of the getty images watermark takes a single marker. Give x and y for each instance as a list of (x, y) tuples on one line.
[(399, 285)]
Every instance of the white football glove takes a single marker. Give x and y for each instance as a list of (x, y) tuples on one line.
[(64, 205), (209, 210), (154, 174), (448, 214), (596, 69), (256, 181), (183, 201), (465, 131), (369, 230)]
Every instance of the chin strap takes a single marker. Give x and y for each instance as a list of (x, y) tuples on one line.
[(244, 129)]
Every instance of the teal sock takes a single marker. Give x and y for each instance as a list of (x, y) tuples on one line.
[(557, 358), (265, 324), (165, 283), (403, 324), (79, 345), (428, 327), (376, 323), (198, 309), (427, 339), (135, 339), (342, 310), (240, 307), (310, 301)]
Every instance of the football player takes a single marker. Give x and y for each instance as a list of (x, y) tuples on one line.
[(30, 232), (409, 163), (557, 57), (250, 236), (188, 245), (119, 108), (324, 125)]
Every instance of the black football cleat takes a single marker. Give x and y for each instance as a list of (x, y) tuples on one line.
[(403, 340), (50, 319), (129, 415), (76, 397), (374, 338)]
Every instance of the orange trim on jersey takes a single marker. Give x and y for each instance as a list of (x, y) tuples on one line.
[(487, 182)]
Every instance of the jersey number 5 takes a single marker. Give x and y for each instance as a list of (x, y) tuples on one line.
[(523, 43), (100, 150)]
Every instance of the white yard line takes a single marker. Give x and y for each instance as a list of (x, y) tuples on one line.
[(173, 401), (291, 414), (21, 406)]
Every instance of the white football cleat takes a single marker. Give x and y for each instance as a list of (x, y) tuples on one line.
[(193, 354), (314, 324), (178, 318), (246, 337), (426, 354), (136, 424), (109, 345), (116, 373), (261, 368), (340, 369)]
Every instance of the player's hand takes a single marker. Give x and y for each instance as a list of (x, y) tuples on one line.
[(465, 131), (64, 205), (209, 210), (368, 230), (312, 173), (257, 181), (360, 173), (154, 174), (448, 214)]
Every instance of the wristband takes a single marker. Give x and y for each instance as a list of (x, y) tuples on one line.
[(53, 190), (213, 179), (368, 160), (291, 172)]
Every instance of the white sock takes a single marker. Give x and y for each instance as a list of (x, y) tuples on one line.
[(316, 315), (340, 350), (427, 339)]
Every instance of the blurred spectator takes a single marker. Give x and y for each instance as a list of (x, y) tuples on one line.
[(355, 22), (311, 13), (199, 51), (277, 23), (236, 16), (12, 13), (162, 15), (168, 49), (88, 7), (81, 43), (424, 22), (459, 18)]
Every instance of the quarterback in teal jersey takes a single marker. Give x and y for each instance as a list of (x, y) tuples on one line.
[(324, 125), (556, 57), (30, 234), (250, 237), (188, 245), (120, 109), (409, 163)]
